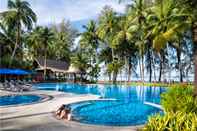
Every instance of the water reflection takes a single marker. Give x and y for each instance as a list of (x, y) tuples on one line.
[(119, 92)]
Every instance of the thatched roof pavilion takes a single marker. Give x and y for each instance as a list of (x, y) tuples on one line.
[(53, 65), (56, 69)]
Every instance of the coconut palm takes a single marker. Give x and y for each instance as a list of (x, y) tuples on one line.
[(107, 27), (137, 13), (41, 38), (166, 21), (19, 16), (190, 7), (80, 61), (124, 40), (89, 39)]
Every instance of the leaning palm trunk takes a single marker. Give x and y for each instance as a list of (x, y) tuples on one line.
[(16, 44)]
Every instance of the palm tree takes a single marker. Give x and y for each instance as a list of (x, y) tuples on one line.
[(80, 61), (166, 22), (124, 41), (190, 7), (137, 14), (41, 38), (65, 36), (107, 27), (89, 40), (19, 15)]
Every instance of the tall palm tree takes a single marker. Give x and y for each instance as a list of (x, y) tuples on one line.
[(19, 15), (190, 6), (137, 14), (107, 27), (166, 22), (124, 39), (89, 39), (41, 38)]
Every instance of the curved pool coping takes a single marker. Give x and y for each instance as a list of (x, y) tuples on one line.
[(44, 98)]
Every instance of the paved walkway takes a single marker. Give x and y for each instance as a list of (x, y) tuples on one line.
[(39, 117)]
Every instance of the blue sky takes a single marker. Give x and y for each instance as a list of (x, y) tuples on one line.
[(77, 11)]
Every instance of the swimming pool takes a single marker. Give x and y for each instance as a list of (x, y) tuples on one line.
[(13, 100), (121, 106)]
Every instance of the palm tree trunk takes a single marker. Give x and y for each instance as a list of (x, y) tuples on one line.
[(150, 65), (194, 34), (109, 76), (112, 51), (114, 77), (160, 71), (129, 72), (195, 79), (45, 63), (17, 42), (161, 67), (140, 69), (154, 67), (143, 69), (179, 65)]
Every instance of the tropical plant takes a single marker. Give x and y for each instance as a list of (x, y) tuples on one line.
[(80, 61), (94, 73), (107, 28), (179, 99), (19, 16), (114, 67), (178, 121), (89, 41), (65, 35), (190, 7), (40, 41)]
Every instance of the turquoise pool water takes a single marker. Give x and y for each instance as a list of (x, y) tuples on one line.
[(126, 105), (19, 99)]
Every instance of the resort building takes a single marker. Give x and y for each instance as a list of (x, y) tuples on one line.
[(55, 70)]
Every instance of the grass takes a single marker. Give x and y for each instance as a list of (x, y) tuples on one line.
[(154, 84)]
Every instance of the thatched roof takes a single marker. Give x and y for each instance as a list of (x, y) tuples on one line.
[(54, 65)]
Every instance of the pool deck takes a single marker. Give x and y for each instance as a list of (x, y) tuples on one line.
[(40, 116)]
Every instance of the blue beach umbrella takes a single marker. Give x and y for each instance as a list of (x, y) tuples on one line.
[(7, 71)]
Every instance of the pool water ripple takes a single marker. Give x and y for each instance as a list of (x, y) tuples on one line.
[(127, 105)]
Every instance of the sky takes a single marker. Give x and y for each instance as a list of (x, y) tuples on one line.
[(76, 11)]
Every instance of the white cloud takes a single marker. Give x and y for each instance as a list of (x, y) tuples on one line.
[(53, 11)]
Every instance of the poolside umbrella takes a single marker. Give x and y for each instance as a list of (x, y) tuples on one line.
[(7, 71)]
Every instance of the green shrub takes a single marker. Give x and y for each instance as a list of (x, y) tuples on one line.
[(179, 99), (171, 121), (180, 111)]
